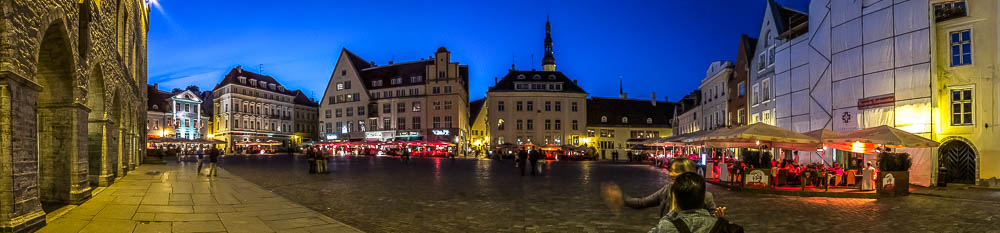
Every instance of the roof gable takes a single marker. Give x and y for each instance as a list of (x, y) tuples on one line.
[(637, 111), (187, 95), (517, 76)]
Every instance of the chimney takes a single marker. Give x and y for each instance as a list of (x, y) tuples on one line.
[(390, 62), (156, 86), (512, 67), (653, 99), (624, 95), (574, 81), (495, 81), (666, 99), (373, 63), (239, 69)]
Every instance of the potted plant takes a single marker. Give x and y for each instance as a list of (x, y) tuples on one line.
[(894, 174)]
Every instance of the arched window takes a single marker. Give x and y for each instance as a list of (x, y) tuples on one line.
[(552, 77), (520, 76), (649, 120), (625, 120), (536, 77)]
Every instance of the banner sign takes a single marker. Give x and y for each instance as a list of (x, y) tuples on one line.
[(757, 179)]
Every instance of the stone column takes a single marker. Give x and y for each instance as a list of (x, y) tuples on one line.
[(99, 149), (79, 183), (20, 206)]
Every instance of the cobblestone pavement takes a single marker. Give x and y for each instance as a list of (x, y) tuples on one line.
[(440, 195), (172, 198)]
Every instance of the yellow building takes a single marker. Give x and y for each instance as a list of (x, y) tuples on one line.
[(479, 136), (618, 124), (965, 89)]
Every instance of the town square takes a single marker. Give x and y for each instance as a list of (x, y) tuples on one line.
[(499, 116)]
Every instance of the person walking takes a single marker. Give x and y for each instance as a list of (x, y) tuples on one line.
[(213, 159), (522, 157), (321, 159), (614, 156), (404, 155), (533, 159), (201, 158), (311, 159)]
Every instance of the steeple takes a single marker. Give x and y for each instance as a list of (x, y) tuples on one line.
[(548, 61)]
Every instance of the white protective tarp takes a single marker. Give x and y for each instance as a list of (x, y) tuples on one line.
[(876, 117), (920, 171)]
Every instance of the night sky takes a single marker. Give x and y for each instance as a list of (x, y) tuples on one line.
[(662, 46)]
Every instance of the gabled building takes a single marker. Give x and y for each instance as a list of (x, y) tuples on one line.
[(763, 76), (537, 107), (618, 124), (478, 132), (175, 115), (416, 100), (714, 95), (686, 114), (305, 117), (736, 86), (251, 108)]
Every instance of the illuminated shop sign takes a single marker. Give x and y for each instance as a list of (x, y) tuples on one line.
[(440, 132)]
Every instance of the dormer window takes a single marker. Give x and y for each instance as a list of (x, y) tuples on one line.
[(552, 77), (396, 81), (263, 84), (625, 120), (521, 76), (377, 83), (536, 77), (155, 107), (271, 86), (281, 88), (243, 80), (253, 82), (649, 120), (604, 119)]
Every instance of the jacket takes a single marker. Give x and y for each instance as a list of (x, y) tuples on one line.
[(697, 220), (662, 198)]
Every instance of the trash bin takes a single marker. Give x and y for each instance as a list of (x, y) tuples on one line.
[(942, 177)]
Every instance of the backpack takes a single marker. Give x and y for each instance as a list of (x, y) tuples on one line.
[(721, 226)]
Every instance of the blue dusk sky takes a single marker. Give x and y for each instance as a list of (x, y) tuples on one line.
[(663, 46)]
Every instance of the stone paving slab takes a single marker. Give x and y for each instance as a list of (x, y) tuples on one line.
[(173, 198)]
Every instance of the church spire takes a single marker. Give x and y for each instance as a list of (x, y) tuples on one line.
[(548, 61)]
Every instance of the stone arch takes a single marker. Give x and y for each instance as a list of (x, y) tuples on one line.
[(961, 158), (97, 129), (85, 17), (57, 119), (115, 113)]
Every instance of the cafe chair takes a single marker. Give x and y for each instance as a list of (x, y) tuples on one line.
[(850, 177)]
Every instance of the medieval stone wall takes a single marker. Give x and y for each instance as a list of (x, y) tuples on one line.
[(72, 99)]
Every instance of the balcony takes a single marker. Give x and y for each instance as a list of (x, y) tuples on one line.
[(948, 11)]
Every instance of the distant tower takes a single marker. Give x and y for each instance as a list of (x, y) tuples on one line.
[(548, 62)]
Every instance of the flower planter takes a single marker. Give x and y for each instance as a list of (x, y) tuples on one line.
[(757, 178), (893, 184)]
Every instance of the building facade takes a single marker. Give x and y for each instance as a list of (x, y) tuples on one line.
[(175, 115), (777, 20), (687, 114), (537, 107), (72, 98), (479, 135), (715, 102), (305, 117), (738, 101), (417, 100), (617, 124), (965, 90), (251, 107)]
